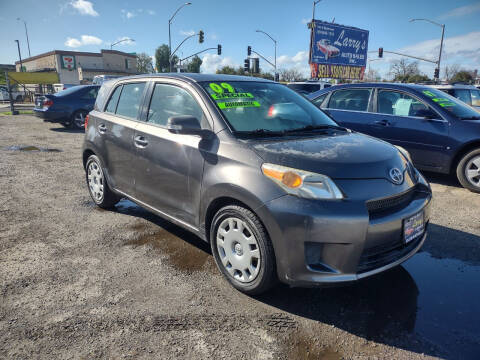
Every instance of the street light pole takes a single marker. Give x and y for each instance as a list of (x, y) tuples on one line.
[(119, 41), (19, 55), (275, 42), (170, 37), (26, 34), (441, 42)]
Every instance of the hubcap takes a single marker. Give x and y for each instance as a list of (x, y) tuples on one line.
[(238, 249), (95, 181), (472, 171)]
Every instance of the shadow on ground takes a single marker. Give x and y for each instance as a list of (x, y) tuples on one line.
[(67, 130)]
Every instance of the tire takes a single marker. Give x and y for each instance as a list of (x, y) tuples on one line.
[(468, 171), (234, 248), (78, 119), (97, 184)]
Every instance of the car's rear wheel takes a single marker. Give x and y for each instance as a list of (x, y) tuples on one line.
[(97, 184), (468, 171), (242, 250), (78, 119)]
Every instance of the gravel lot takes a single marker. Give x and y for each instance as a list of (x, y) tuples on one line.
[(79, 282)]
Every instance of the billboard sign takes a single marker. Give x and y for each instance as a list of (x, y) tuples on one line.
[(338, 51), (68, 62)]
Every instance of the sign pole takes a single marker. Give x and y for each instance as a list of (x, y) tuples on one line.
[(12, 107)]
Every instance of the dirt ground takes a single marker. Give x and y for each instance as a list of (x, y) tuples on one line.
[(82, 283)]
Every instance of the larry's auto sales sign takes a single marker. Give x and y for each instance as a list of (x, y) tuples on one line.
[(338, 51)]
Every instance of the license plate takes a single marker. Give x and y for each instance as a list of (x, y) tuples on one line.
[(413, 227)]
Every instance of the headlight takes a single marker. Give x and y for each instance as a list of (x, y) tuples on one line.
[(302, 183), (404, 152)]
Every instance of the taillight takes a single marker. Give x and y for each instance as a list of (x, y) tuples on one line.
[(86, 121), (47, 103)]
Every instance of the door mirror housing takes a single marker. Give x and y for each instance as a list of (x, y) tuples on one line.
[(184, 124)]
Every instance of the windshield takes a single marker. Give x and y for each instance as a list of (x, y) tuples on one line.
[(454, 106), (251, 106)]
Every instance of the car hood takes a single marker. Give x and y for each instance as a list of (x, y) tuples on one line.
[(341, 156)]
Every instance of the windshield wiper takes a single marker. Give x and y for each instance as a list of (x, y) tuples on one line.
[(259, 132), (470, 118), (315, 127)]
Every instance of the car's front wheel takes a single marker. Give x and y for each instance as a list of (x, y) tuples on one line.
[(78, 119), (242, 250), (97, 184), (468, 171)]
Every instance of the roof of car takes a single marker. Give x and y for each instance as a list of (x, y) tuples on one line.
[(453, 86), (196, 77)]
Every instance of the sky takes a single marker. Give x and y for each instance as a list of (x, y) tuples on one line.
[(92, 25)]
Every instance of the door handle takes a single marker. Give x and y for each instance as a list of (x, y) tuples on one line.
[(140, 141), (382, 122), (102, 129)]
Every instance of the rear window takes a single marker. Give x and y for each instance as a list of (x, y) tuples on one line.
[(130, 98), (351, 99), (69, 91)]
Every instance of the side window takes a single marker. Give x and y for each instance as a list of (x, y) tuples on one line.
[(319, 100), (398, 103), (354, 99), (112, 103), (169, 100), (464, 95), (130, 98)]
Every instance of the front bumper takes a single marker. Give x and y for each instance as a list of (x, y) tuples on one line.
[(330, 242)]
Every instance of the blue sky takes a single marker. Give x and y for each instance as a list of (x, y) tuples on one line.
[(91, 25)]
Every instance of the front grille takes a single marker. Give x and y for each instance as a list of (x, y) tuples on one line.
[(385, 254), (391, 203)]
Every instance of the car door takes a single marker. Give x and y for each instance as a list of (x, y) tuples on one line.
[(169, 167), (403, 119), (349, 107), (116, 128)]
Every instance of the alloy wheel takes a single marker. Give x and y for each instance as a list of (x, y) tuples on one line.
[(472, 171), (79, 119)]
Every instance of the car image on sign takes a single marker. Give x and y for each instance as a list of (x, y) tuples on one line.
[(329, 50)]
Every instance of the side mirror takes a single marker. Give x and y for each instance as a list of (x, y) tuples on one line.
[(426, 113), (184, 124)]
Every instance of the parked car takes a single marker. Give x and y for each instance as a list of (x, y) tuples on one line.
[(327, 48), (469, 94), (100, 79), (277, 187), (441, 133), (308, 87), (16, 95), (68, 107), (59, 87)]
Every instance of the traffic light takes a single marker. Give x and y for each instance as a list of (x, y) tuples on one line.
[(200, 36), (380, 52), (249, 50), (436, 74), (246, 65), (219, 49)]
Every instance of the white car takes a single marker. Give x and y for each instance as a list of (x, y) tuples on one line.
[(16, 95)]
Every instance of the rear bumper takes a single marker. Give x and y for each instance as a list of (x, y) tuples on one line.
[(51, 115), (334, 242)]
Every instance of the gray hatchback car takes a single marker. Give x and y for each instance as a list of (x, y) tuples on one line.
[(277, 188)]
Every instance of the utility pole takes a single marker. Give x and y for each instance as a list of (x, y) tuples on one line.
[(19, 55), (170, 37), (26, 34), (119, 41), (12, 108), (275, 60)]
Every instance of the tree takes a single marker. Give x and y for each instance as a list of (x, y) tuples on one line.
[(372, 75), (463, 76), (229, 70), (450, 71), (193, 65), (290, 75), (161, 59), (144, 64), (401, 69)]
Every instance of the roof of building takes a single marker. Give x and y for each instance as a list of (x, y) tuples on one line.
[(78, 53)]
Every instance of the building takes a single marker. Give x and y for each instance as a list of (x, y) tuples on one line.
[(75, 67)]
